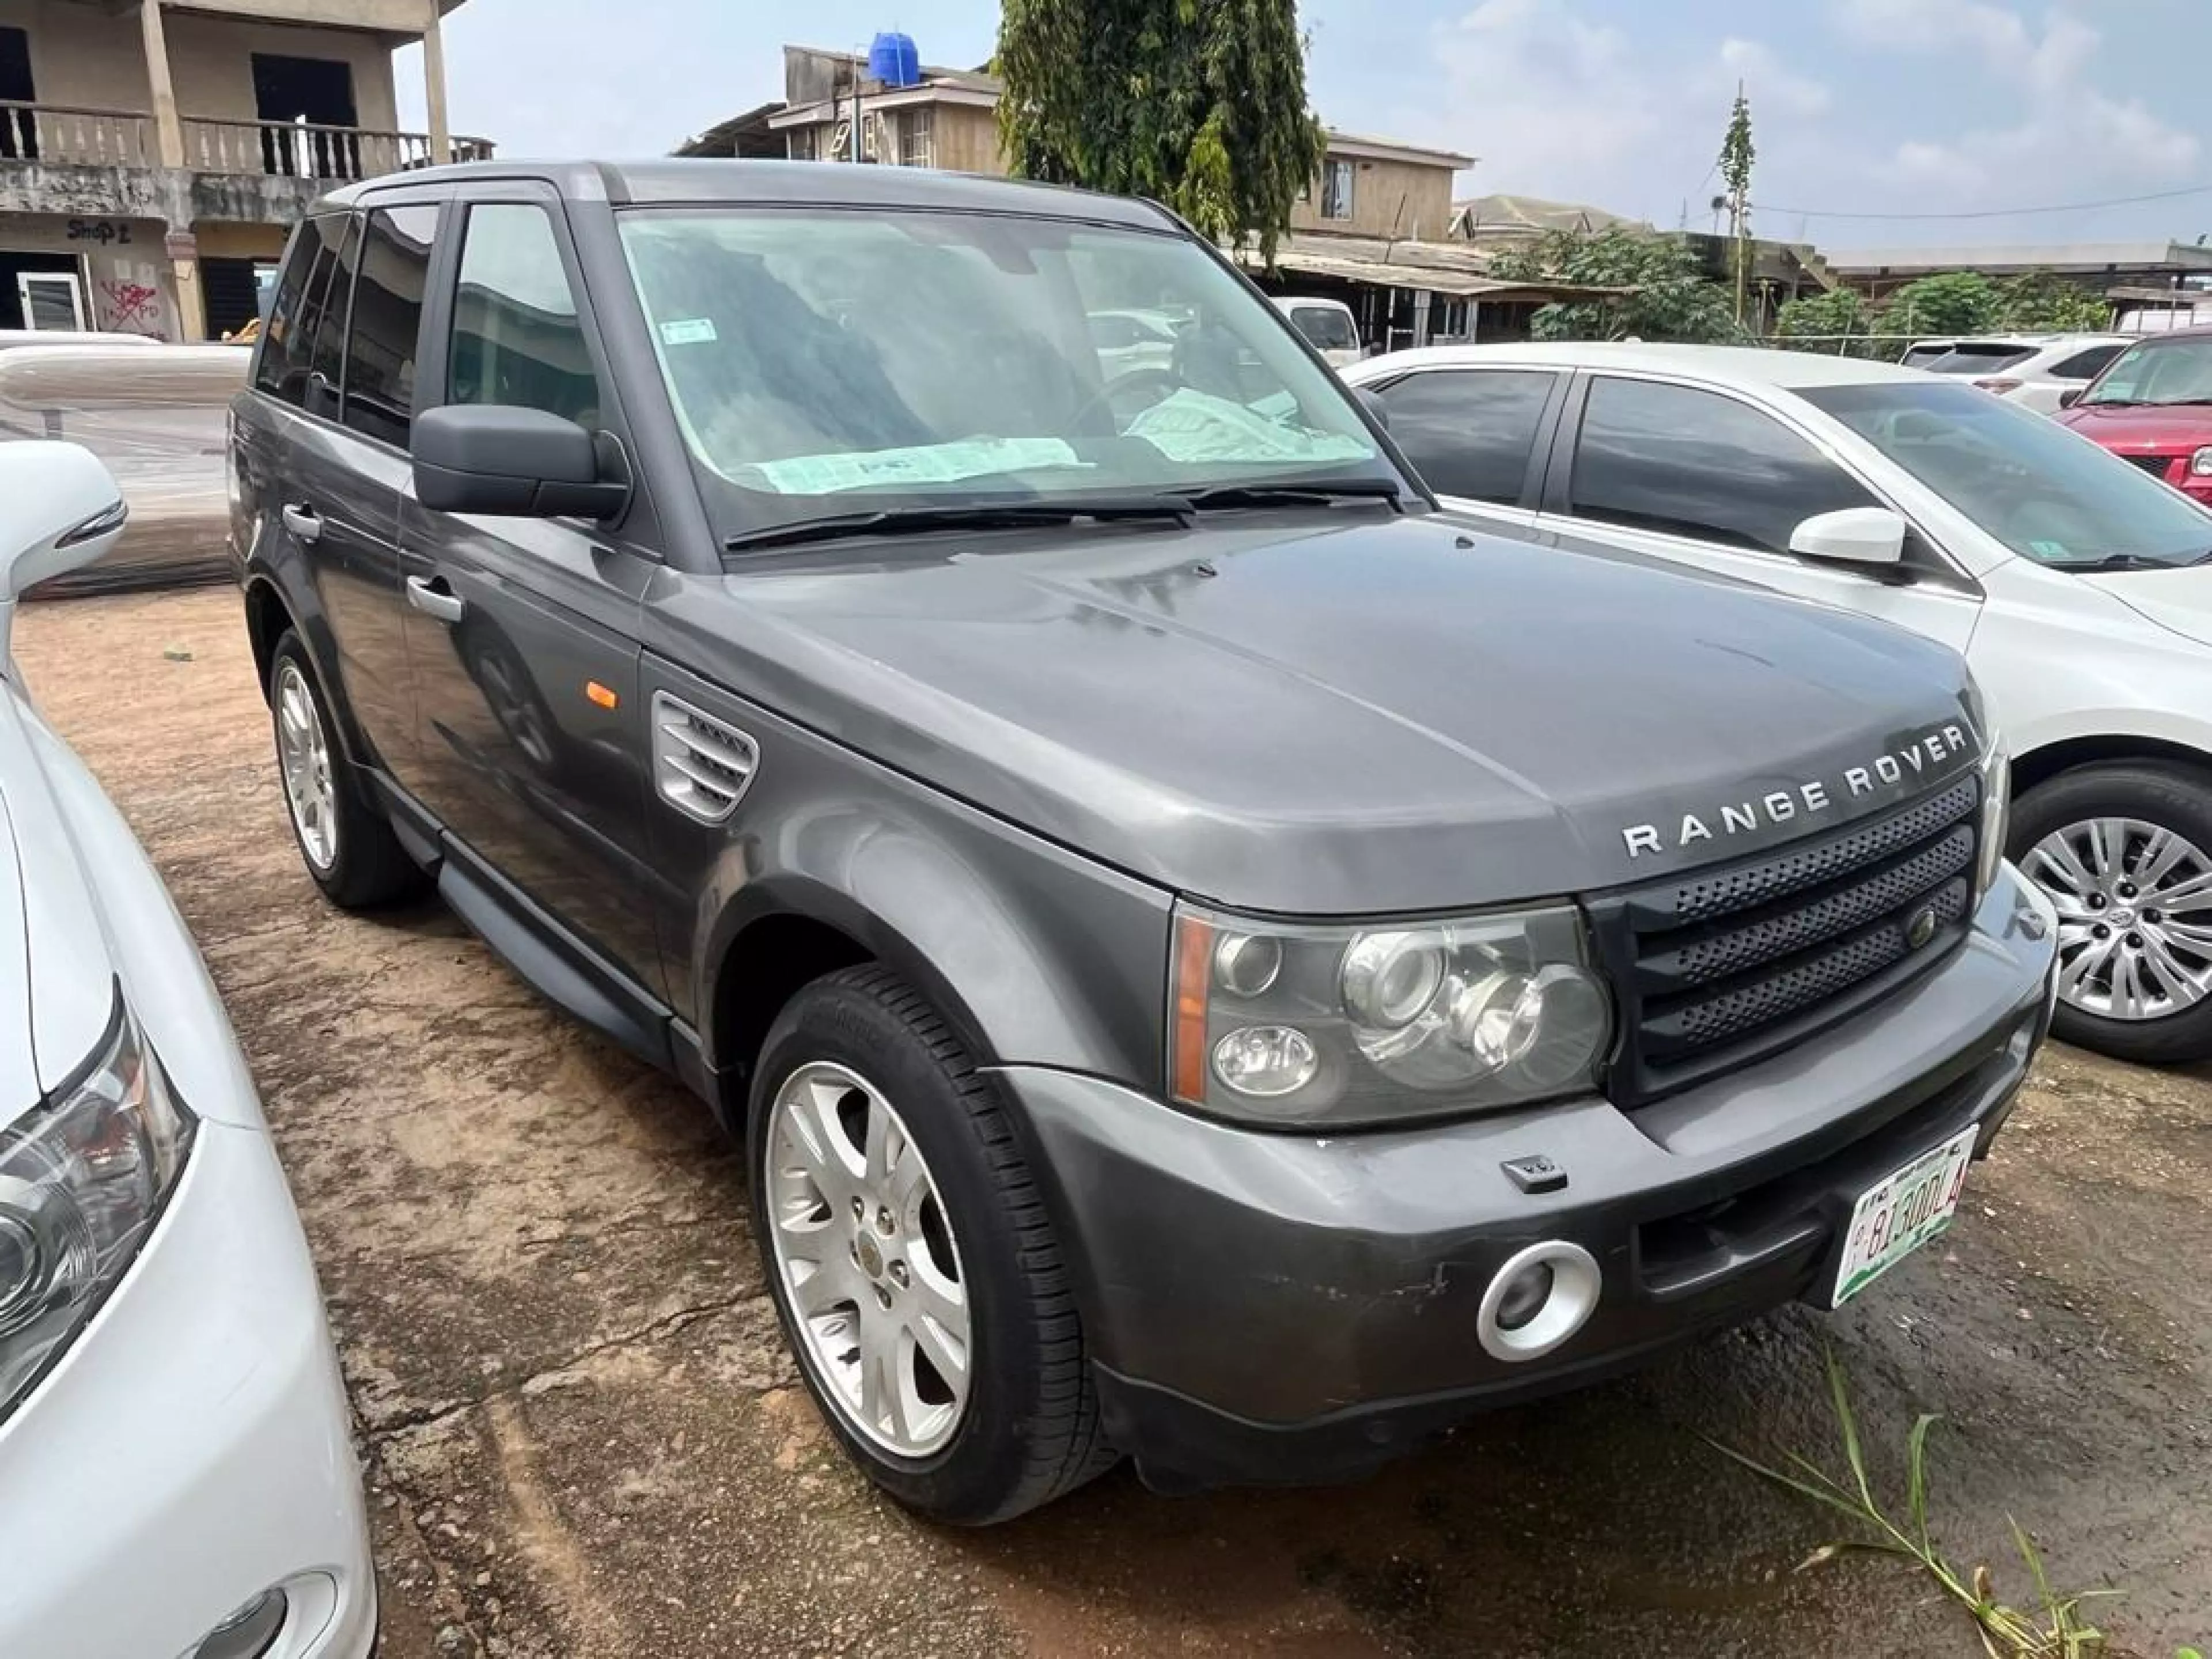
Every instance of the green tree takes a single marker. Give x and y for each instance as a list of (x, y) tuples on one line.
[(1835, 321), (1953, 302), (1664, 294), (1737, 155), (2038, 303), (1200, 104)]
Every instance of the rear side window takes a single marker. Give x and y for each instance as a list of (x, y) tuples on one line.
[(1970, 357), (287, 353), (2086, 365), (329, 360), (1469, 432), (517, 338), (1695, 463), (387, 316)]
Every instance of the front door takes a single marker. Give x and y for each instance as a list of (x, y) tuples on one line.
[(1708, 480), (522, 633), (52, 301), (313, 98)]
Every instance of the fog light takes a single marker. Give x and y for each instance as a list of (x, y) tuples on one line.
[(248, 1633), (1541, 1296), (1266, 1060)]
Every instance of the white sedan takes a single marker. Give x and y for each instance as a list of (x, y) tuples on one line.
[(177, 1478), (2078, 587)]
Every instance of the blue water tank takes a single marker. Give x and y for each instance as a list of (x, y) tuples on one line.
[(893, 60)]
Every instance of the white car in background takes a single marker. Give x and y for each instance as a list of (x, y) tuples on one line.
[(2079, 587), (2034, 370), (1128, 341), (1329, 327), (177, 1476)]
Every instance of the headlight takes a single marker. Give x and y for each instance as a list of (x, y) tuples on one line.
[(2200, 464), (1296, 1025), (1996, 814), (83, 1180)]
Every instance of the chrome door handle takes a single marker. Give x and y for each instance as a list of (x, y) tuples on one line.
[(304, 523), (432, 598)]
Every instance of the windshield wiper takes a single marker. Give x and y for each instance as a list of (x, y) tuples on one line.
[(1319, 494), (972, 516), (2118, 561)]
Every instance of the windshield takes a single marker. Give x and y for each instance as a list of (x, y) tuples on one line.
[(822, 361), (1329, 329), (2157, 372), (2046, 493)]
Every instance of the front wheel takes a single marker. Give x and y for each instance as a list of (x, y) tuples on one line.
[(915, 1273), (2124, 852)]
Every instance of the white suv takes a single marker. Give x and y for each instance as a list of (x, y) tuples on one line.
[(2079, 586), (2034, 370)]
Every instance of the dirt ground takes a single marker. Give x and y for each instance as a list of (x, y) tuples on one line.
[(582, 1437)]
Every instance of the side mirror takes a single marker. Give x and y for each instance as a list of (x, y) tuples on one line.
[(509, 461), (1857, 535), (1376, 406), (59, 511), (2071, 395)]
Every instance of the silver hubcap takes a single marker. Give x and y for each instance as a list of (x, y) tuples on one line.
[(2135, 917), (868, 1261), (305, 760)]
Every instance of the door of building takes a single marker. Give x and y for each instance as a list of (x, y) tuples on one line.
[(309, 95), (19, 131), (52, 301)]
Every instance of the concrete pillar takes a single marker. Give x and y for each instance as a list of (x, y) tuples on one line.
[(433, 77), (169, 142)]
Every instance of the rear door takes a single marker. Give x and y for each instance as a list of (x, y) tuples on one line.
[(1476, 436), (339, 501), (1712, 481), (522, 633)]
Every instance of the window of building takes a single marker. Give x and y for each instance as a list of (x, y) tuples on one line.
[(517, 338), (1469, 432), (387, 316), (1336, 181), (1696, 463), (799, 144), (917, 138)]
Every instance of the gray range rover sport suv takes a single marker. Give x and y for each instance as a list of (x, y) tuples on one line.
[(1208, 962)]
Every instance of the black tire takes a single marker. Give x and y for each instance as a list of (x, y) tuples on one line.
[(369, 868), (2172, 798), (1030, 1430)]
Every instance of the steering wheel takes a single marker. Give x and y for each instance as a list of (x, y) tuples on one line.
[(1167, 380)]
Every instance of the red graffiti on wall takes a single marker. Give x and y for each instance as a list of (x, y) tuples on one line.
[(131, 306)]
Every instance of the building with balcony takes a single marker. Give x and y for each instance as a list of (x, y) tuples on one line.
[(155, 154)]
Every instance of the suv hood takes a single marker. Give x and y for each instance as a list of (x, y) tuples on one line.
[(57, 978), (1337, 712), (2147, 430)]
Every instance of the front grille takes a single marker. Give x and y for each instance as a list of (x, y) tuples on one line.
[(1717, 969), (2157, 465)]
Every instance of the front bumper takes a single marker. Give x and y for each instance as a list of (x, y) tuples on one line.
[(191, 1449), (1268, 1307)]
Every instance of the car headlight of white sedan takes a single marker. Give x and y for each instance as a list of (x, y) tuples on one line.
[(83, 1181)]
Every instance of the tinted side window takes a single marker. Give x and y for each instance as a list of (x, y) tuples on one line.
[(329, 360), (2086, 365), (1697, 464), (290, 348), (387, 315), (1469, 432), (516, 336)]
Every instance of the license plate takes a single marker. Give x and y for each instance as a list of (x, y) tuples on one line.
[(1897, 1216)]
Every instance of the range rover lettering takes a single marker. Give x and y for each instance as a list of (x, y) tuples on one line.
[(1175, 924)]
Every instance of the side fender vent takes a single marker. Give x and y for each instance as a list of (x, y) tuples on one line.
[(702, 767)]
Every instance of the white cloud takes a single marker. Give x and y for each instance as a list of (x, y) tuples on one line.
[(2070, 136), (1768, 84)]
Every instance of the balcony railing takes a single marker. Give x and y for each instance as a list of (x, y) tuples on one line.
[(106, 137), (298, 150), (56, 132)]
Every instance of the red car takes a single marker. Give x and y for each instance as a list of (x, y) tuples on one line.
[(2153, 406)]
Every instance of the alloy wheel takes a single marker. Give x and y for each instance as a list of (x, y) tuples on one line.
[(2134, 916), (303, 757), (867, 1260)]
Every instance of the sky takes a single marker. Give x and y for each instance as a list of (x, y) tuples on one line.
[(1864, 110)]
